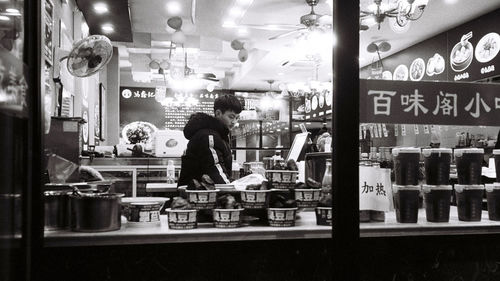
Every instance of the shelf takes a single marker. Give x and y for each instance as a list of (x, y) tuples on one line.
[(391, 228), (305, 228)]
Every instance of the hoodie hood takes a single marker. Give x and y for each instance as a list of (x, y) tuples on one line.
[(200, 121)]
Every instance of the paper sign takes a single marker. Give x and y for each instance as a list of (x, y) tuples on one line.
[(403, 130), (375, 129), (375, 190), (372, 134), (433, 129), (384, 130), (379, 126), (396, 131), (360, 132), (415, 128)]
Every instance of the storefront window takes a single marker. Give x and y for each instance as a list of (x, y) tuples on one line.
[(427, 139)]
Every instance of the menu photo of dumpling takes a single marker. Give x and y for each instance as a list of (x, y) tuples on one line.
[(435, 65), (487, 48)]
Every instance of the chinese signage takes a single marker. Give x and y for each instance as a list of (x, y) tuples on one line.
[(375, 192), (139, 104), (446, 103)]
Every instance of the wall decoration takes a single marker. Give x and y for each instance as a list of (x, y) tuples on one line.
[(100, 124), (48, 22)]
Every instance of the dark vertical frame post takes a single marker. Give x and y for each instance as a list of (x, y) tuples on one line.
[(345, 140), (32, 196)]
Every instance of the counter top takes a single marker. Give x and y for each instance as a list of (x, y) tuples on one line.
[(305, 228), (391, 227)]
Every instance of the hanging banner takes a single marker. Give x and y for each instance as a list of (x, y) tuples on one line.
[(442, 103)]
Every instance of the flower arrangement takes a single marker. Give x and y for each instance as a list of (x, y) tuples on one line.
[(138, 132)]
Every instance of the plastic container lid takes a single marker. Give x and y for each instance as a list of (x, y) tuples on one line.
[(397, 187), (397, 150), (496, 151), (460, 151), (428, 151), (462, 187), (492, 186), (429, 187)]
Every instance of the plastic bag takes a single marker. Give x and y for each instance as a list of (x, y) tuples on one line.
[(59, 168), (241, 184)]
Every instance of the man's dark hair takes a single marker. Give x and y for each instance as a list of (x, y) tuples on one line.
[(227, 102)]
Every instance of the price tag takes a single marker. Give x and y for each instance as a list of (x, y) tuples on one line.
[(433, 129), (426, 129), (379, 126), (384, 130), (403, 130), (415, 128), (372, 134), (396, 130)]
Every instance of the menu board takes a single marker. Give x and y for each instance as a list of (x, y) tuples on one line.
[(444, 103), (425, 61), (474, 49), (469, 52), (140, 104), (318, 105), (176, 117)]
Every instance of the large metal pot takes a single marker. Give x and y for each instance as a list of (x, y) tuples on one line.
[(56, 205), (95, 212)]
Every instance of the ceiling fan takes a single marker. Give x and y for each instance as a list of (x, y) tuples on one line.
[(311, 21), (190, 73)]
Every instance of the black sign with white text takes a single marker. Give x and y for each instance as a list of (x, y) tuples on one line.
[(443, 103)]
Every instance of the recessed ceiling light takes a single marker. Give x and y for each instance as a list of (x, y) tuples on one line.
[(107, 28), (244, 2), (229, 24), (235, 12), (12, 11), (101, 8), (4, 18), (242, 31), (173, 7)]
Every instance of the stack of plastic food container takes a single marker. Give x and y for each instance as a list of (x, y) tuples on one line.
[(406, 190), (493, 191), (469, 190), (437, 191)]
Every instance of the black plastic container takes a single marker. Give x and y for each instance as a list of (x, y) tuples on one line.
[(437, 202), (496, 154), (469, 201), (437, 165), (406, 165), (469, 162), (406, 202), (493, 197)]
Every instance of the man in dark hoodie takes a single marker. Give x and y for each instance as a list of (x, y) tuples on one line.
[(208, 150)]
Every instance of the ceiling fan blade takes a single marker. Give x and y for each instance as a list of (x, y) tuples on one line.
[(269, 26), (286, 33), (325, 20), (207, 76)]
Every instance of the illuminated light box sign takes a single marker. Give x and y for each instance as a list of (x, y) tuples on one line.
[(141, 104), (443, 103)]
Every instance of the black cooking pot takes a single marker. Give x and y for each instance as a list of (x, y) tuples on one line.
[(95, 212)]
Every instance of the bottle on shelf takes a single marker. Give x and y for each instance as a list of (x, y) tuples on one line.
[(326, 183), (170, 172)]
